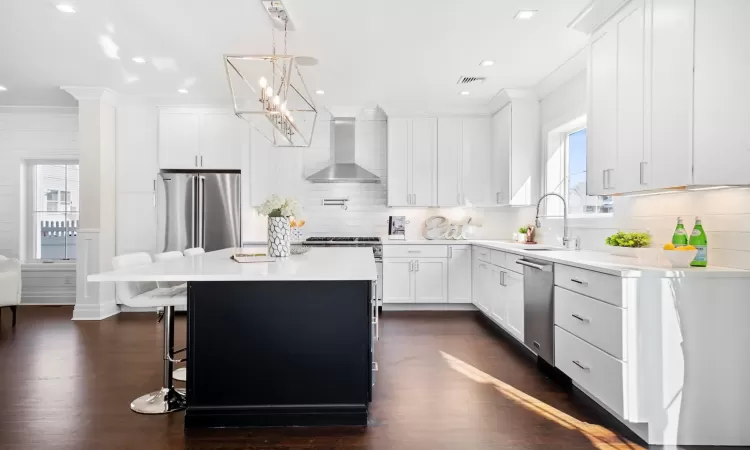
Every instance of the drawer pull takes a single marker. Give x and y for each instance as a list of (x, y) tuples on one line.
[(582, 319), (584, 368), (582, 283), (414, 251)]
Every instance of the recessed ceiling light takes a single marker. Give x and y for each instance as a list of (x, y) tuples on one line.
[(320, 92), (64, 7), (3, 88), (525, 14), (139, 60), (487, 62), (182, 91), (464, 92)]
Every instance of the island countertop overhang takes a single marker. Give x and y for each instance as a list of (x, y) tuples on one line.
[(319, 264)]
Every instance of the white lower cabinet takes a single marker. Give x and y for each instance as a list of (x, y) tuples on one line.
[(481, 276), (397, 285), (430, 278), (514, 302), (496, 295), (459, 274), (418, 280)]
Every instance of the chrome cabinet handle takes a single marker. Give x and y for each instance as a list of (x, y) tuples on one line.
[(582, 283), (604, 179), (582, 319), (450, 252), (584, 368), (201, 160), (502, 279), (414, 251), (417, 262), (155, 193), (643, 172), (497, 198), (411, 266), (196, 160)]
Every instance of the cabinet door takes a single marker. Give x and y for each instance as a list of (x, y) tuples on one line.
[(399, 144), (515, 304), (524, 153), (501, 129), (497, 295), (397, 281), (423, 170), (480, 294), (601, 150), (450, 136), (722, 71), (431, 280), (671, 102), (476, 163), (459, 274), (178, 140), (222, 140), (630, 120)]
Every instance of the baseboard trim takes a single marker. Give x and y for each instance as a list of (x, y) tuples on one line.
[(428, 307), (95, 312)]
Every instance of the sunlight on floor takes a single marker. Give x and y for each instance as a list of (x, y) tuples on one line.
[(599, 436)]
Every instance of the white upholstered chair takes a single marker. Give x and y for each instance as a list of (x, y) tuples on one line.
[(194, 251), (140, 294), (165, 257), (10, 285)]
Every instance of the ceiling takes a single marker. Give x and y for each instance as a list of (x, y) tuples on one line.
[(407, 54)]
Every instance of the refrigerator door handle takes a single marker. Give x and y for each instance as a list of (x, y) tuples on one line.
[(199, 224)]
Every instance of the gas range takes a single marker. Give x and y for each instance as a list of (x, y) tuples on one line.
[(350, 241)]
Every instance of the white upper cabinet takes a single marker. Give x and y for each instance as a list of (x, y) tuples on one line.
[(668, 97), (191, 138), (629, 175), (223, 137), (464, 173), (722, 93), (670, 102), (412, 162), (601, 152), (515, 154), (178, 140)]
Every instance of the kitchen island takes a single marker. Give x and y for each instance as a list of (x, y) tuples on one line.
[(281, 343)]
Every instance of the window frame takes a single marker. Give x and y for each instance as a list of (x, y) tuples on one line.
[(559, 138), (31, 209)]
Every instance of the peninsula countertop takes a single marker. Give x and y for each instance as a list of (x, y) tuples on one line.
[(319, 264)]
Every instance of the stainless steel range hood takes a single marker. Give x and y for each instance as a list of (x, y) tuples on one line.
[(343, 169)]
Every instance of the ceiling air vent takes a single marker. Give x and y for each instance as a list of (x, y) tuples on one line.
[(471, 80)]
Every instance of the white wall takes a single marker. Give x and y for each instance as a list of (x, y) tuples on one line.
[(725, 213)]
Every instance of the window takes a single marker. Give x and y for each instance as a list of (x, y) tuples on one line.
[(566, 173), (53, 207)]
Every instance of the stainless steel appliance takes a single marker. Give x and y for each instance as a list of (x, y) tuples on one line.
[(198, 209), (374, 242), (539, 308)]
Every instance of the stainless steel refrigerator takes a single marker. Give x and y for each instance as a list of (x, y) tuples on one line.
[(199, 209)]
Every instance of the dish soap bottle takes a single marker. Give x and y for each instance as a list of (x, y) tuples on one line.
[(699, 241), (680, 237)]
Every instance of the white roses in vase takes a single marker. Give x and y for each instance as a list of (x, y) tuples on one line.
[(276, 206)]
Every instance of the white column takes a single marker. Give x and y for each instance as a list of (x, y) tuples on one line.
[(96, 232)]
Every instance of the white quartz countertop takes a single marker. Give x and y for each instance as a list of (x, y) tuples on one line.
[(319, 264), (591, 260)]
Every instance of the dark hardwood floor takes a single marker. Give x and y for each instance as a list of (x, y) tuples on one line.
[(446, 381)]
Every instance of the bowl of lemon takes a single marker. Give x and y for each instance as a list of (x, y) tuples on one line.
[(680, 257)]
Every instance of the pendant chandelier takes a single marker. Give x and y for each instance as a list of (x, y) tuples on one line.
[(268, 92)]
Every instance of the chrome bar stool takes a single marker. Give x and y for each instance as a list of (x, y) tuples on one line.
[(147, 294), (181, 373)]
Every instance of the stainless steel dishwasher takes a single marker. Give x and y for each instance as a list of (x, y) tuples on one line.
[(539, 307)]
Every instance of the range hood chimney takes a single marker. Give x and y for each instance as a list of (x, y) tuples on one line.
[(344, 169)]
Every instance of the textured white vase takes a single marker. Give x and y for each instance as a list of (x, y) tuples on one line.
[(279, 236)]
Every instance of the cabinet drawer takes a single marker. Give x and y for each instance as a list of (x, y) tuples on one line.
[(600, 286), (497, 258), (483, 254), (595, 371), (510, 262), (600, 324), (415, 251)]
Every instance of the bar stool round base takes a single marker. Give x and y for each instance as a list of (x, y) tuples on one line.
[(159, 402), (180, 374)]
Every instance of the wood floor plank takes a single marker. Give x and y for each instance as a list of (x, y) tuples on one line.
[(446, 381)]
